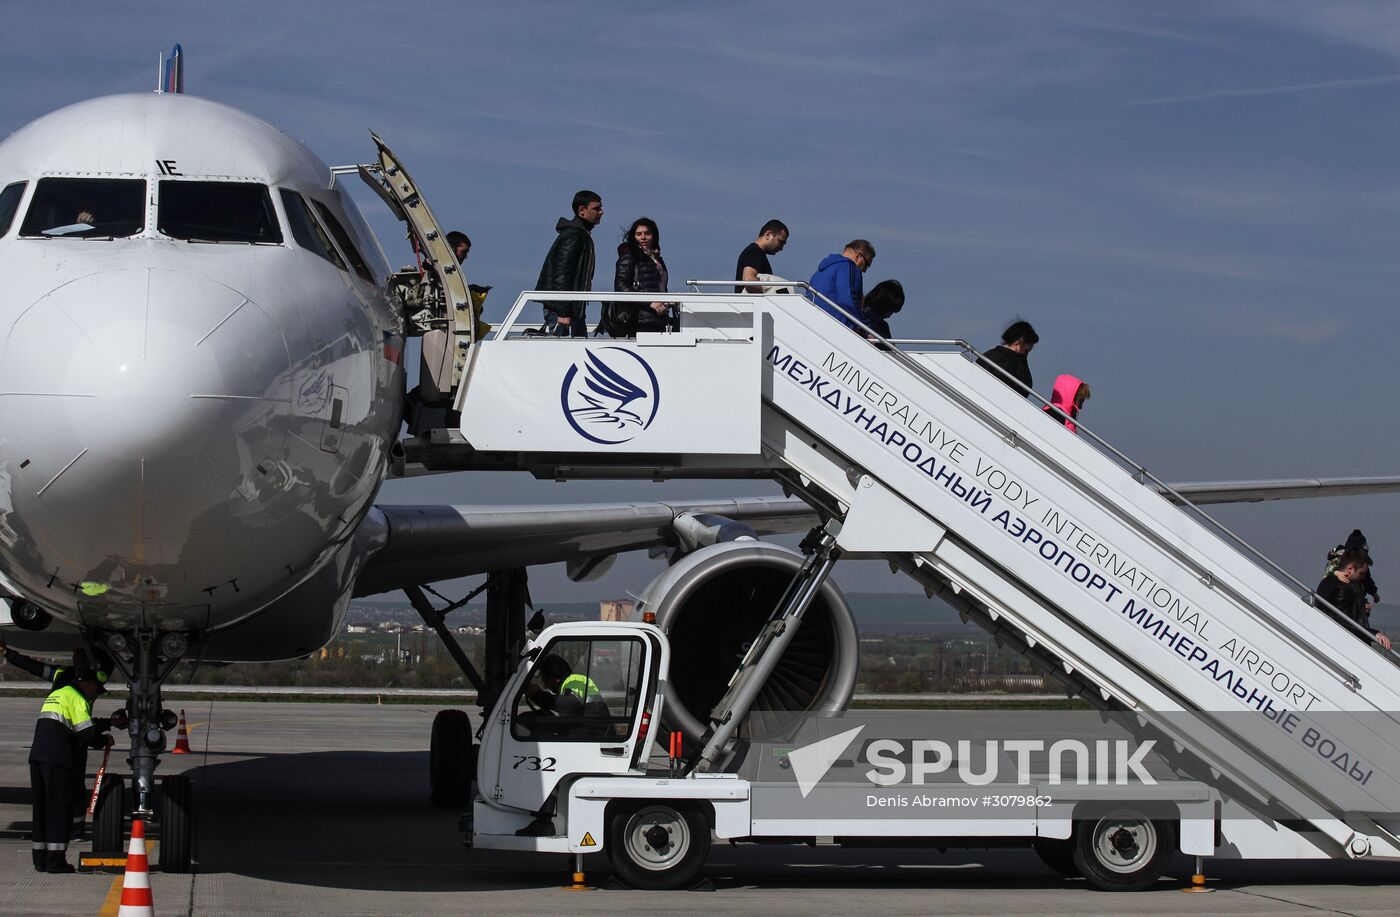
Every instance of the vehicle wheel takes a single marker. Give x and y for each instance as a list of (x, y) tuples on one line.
[(1058, 855), (109, 820), (451, 759), (176, 824), (656, 846), (1122, 851)]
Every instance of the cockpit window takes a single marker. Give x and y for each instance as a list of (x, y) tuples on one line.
[(86, 208), (9, 203), (217, 211), (343, 238), (307, 232)]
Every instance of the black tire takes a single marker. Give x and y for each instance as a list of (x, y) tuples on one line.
[(1058, 855), (28, 616), (176, 824), (451, 759), (109, 820), (639, 856), (1123, 850)]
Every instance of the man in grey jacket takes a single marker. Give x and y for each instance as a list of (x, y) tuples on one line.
[(569, 266)]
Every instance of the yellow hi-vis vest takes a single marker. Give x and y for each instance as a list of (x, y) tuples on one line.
[(69, 707), (581, 686), (64, 728)]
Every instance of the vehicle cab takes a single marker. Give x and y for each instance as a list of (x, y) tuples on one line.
[(581, 704)]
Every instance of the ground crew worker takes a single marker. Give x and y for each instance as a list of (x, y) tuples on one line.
[(64, 731), (57, 677), (566, 692)]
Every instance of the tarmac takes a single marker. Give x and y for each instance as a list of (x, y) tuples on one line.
[(321, 808)]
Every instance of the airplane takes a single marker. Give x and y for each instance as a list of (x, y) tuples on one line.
[(202, 392)]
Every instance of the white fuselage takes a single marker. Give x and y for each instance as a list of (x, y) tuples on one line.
[(188, 428)]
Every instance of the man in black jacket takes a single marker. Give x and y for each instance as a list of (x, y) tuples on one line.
[(1341, 589), (569, 266)]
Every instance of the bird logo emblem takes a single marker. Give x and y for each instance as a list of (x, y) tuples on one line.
[(610, 395)]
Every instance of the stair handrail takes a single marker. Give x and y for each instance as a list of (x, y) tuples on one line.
[(1140, 473)]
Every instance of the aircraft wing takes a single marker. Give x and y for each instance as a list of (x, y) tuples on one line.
[(1204, 492), (426, 544)]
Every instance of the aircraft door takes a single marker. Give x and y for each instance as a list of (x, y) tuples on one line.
[(436, 297), (577, 712)]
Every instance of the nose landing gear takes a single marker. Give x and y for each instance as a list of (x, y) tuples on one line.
[(146, 660)]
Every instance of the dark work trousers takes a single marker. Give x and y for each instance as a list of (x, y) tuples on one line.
[(80, 797), (53, 805)]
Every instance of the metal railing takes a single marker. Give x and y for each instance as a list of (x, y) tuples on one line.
[(1139, 472), (512, 328), (895, 351)]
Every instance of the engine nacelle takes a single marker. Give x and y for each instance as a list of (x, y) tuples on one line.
[(714, 602)]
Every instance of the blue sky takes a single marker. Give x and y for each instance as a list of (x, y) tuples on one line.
[(1196, 203)]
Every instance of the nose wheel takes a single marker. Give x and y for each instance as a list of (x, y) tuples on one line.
[(109, 819), (176, 812), (146, 659)]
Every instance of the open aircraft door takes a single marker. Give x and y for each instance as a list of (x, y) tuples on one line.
[(435, 296)]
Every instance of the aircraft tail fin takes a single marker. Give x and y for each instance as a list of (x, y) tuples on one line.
[(171, 77)]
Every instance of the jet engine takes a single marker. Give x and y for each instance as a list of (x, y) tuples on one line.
[(714, 602)]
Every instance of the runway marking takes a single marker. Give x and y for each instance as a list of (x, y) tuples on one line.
[(113, 900), (189, 725)]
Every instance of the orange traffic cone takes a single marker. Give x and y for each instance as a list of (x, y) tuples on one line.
[(182, 739), (136, 884)]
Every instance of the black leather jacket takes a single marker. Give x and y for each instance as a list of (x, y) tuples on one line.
[(637, 275), (568, 266)]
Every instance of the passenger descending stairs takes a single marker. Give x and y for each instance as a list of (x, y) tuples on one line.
[(1052, 541)]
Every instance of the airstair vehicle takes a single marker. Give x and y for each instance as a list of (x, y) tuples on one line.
[(1057, 543)]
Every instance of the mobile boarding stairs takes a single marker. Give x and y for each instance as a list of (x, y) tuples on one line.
[(1055, 542)]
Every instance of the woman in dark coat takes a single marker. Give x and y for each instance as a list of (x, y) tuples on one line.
[(1010, 355), (884, 300), (640, 269)]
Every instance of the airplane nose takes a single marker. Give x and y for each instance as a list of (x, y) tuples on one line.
[(135, 403)]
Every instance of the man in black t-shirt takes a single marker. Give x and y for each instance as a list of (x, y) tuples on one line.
[(753, 260)]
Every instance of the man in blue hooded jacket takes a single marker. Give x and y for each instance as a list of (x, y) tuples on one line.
[(840, 279)]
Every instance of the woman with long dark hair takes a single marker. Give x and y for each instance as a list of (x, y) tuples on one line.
[(640, 269)]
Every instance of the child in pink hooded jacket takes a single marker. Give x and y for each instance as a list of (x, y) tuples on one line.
[(1066, 399)]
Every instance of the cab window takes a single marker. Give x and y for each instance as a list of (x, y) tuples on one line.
[(343, 239), (581, 689), (9, 204), (306, 231), (86, 208), (217, 211)]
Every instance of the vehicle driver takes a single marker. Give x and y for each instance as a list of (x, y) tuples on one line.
[(565, 692)]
